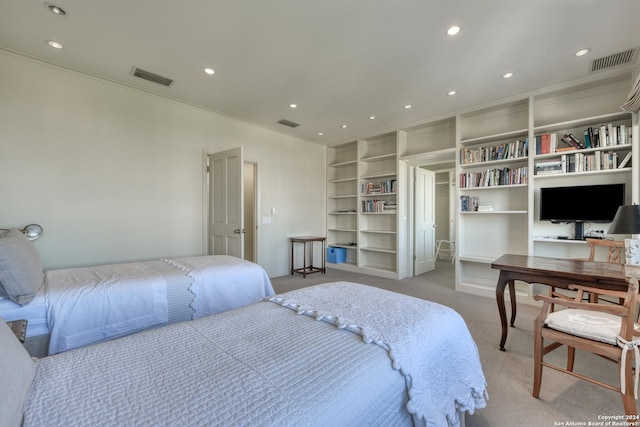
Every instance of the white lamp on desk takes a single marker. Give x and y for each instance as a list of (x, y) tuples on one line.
[(627, 221)]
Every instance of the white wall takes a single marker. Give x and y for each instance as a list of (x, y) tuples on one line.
[(114, 174)]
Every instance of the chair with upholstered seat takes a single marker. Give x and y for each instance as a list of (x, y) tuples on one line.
[(607, 330)]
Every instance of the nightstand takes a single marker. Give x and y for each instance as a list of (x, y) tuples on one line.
[(19, 327)]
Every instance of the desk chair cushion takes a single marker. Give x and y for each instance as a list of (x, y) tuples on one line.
[(603, 327)]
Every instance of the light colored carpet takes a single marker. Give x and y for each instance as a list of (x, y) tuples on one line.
[(563, 399)]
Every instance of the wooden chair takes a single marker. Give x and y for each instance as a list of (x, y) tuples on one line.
[(615, 254), (615, 250), (579, 326)]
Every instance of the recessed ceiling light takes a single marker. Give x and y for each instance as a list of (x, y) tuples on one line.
[(210, 71), (582, 52), (406, 107), (451, 92), (453, 30), (507, 75), (293, 105), (54, 8), (320, 133), (372, 117), (54, 44), (344, 126)]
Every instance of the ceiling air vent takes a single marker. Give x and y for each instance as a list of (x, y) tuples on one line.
[(620, 58), (288, 123), (152, 77)]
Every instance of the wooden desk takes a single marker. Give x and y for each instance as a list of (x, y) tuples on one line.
[(307, 262), (550, 271)]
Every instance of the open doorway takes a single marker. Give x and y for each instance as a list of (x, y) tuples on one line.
[(441, 199), (250, 203)]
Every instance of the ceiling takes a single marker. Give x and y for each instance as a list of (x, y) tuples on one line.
[(340, 61)]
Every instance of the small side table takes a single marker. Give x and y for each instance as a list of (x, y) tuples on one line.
[(307, 264), (19, 327)]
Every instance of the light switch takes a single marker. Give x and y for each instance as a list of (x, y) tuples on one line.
[(273, 211), (266, 220)]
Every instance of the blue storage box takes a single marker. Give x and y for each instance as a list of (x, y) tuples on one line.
[(336, 255)]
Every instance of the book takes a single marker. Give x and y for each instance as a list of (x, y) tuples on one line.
[(624, 161), (563, 149), (573, 138), (570, 142), (587, 138)]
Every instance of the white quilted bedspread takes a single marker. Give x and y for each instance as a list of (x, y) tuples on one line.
[(428, 342), (259, 365)]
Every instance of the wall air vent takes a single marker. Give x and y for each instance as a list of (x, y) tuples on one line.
[(620, 58), (152, 77), (288, 123)]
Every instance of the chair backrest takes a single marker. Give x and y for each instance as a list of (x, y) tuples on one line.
[(632, 272), (615, 250)]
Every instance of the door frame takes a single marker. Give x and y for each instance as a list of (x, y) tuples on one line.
[(206, 200), (438, 161)]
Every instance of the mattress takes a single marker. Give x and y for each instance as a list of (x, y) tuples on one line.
[(273, 363)]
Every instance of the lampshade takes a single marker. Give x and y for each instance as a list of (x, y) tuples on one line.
[(626, 221)]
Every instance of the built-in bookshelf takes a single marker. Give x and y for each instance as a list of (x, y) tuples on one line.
[(362, 209), (493, 183), (342, 199)]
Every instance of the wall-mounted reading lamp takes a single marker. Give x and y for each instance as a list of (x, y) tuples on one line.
[(32, 231)]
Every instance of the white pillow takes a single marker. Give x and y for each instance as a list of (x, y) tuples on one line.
[(21, 272), (16, 373)]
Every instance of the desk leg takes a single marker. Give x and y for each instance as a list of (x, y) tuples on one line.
[(503, 281), (292, 258)]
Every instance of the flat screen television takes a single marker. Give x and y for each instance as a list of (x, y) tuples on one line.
[(580, 204)]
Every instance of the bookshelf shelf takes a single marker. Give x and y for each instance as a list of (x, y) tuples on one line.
[(493, 212), (378, 158), (624, 170), (335, 181), (494, 137), (343, 164), (492, 187), (376, 249), (582, 121), (515, 160)]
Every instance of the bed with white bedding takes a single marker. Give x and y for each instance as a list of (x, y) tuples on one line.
[(74, 307), (339, 354)]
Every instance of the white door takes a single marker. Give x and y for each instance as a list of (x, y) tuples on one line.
[(226, 216), (425, 236)]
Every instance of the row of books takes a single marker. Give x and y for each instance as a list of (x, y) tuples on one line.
[(384, 187), (469, 203), (593, 137), (583, 162), (510, 150), (374, 205), (494, 177), (607, 136)]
